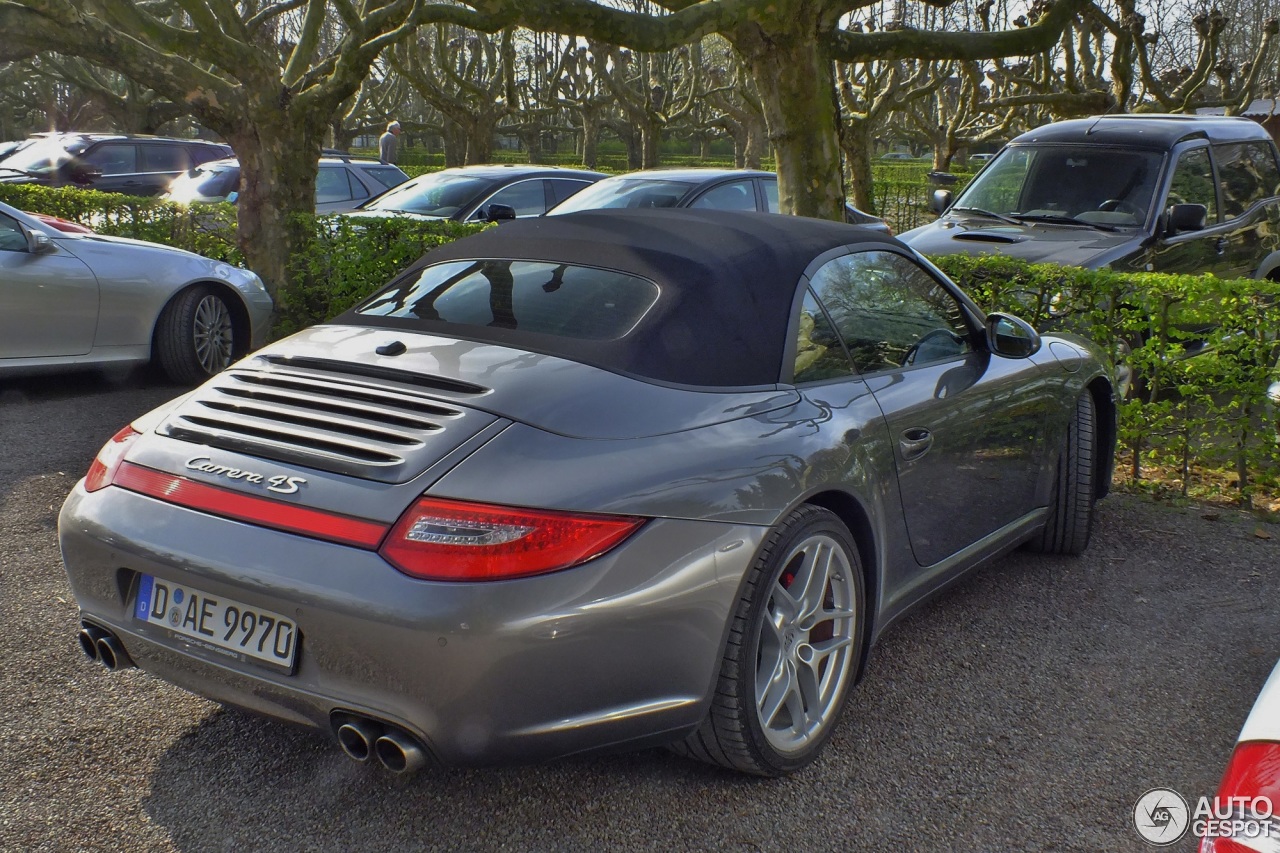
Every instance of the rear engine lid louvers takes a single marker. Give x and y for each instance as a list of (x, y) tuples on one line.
[(364, 421)]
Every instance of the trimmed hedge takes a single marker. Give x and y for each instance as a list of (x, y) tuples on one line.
[(1194, 421), (1203, 350)]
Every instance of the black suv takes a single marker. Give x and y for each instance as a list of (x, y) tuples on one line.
[(1155, 193), (136, 165)]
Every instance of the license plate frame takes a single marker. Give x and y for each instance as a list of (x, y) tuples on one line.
[(222, 626)]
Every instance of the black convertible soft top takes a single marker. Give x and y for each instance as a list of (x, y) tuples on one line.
[(726, 279)]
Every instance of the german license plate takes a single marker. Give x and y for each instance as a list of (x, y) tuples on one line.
[(217, 624)]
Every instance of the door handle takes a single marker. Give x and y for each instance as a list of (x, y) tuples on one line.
[(914, 443)]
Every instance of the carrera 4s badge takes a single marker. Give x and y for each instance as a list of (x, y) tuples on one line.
[(278, 483)]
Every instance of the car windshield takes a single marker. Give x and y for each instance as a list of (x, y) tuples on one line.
[(204, 183), (43, 156), (561, 300), (441, 194), (1096, 186), (624, 192)]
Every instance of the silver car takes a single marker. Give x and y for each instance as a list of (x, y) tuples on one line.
[(342, 183), (602, 480), (71, 300)]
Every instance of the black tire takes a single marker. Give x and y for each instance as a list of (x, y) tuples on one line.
[(734, 734), (195, 335), (1070, 521)]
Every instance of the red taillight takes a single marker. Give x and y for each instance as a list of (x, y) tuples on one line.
[(318, 524), (1247, 808), (108, 460), (448, 540)]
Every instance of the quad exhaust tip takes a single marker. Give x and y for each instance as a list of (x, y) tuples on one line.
[(101, 646), (362, 738)]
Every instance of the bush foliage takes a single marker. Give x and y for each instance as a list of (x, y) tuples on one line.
[(1204, 349)]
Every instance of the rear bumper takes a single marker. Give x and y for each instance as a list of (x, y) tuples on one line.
[(623, 650)]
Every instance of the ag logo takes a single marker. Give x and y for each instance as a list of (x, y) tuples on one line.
[(1161, 816)]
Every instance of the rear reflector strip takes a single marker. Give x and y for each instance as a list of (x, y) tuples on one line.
[(252, 509)]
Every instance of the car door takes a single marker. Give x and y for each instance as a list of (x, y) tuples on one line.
[(967, 427), (48, 301), (527, 198), (160, 163), (337, 190), (118, 164), (1193, 182)]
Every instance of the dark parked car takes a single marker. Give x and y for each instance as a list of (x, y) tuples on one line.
[(610, 479), (1160, 193), (135, 165), (697, 189), (342, 183), (479, 193)]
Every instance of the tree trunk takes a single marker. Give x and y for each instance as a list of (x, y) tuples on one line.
[(454, 139), (753, 150), (590, 141), (480, 141), (277, 154), (794, 76), (650, 136), (856, 140)]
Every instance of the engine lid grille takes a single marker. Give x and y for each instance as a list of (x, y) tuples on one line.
[(359, 420)]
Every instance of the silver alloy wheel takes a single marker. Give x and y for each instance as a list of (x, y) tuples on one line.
[(807, 635), (213, 334)]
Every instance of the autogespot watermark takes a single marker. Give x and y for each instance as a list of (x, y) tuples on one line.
[(1162, 817)]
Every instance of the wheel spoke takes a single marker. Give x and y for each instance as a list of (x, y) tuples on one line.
[(777, 693), (819, 567)]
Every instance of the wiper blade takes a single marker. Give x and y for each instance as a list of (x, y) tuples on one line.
[(1063, 220), (990, 214)]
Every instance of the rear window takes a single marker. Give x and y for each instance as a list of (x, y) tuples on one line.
[(562, 300)]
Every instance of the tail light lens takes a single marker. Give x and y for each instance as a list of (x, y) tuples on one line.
[(108, 460), (448, 540), (1246, 815)]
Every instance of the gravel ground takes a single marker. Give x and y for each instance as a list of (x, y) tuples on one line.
[(1026, 708)]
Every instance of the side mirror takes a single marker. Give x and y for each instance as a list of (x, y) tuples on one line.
[(37, 243), (940, 201), (1185, 217), (500, 213), (1011, 336)]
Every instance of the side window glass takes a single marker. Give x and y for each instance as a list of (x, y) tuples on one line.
[(1247, 174), (1193, 182), (770, 195), (356, 188), (113, 159), (562, 189), (890, 312), (11, 237), (739, 195), (527, 197), (165, 158), (332, 186), (819, 354), (1262, 156)]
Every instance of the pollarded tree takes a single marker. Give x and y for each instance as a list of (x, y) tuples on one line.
[(467, 76), (790, 47), (267, 75)]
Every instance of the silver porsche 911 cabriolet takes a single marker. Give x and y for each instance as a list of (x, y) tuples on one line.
[(610, 479)]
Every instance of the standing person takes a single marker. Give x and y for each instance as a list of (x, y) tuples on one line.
[(387, 142)]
